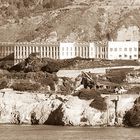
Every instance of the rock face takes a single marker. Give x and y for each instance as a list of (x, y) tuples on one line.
[(34, 64), (132, 117), (33, 108)]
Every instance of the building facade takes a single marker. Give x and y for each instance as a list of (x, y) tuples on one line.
[(6, 48), (23, 49), (83, 50), (54, 50), (124, 50)]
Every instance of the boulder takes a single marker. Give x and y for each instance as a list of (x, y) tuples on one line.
[(132, 117)]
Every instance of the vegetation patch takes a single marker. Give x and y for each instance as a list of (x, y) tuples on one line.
[(134, 90), (25, 85), (99, 103), (87, 94), (117, 75)]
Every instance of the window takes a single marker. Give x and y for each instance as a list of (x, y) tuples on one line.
[(125, 55), (125, 49), (135, 55), (130, 49), (115, 49), (120, 56), (120, 49), (111, 49), (135, 49)]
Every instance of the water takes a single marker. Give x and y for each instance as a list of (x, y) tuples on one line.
[(43, 132)]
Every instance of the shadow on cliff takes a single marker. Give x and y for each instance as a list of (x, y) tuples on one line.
[(55, 117), (132, 117)]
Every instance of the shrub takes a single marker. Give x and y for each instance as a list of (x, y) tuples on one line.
[(134, 90), (3, 83), (45, 79), (99, 103), (87, 94), (18, 67), (116, 76), (23, 12), (26, 86), (4, 73), (16, 75), (52, 66)]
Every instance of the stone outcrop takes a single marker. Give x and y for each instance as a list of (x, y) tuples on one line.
[(132, 117), (34, 64), (38, 108)]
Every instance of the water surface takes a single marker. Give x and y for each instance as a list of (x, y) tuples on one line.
[(43, 132)]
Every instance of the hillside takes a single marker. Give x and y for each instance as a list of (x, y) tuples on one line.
[(66, 20)]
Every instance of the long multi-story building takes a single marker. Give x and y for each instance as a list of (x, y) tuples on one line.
[(111, 50), (62, 50), (23, 49)]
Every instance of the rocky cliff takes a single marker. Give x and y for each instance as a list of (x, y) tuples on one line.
[(35, 108), (132, 117)]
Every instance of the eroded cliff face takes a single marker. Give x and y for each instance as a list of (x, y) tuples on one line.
[(33, 108)]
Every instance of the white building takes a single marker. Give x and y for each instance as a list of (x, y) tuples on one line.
[(55, 50), (83, 50), (23, 49), (125, 50), (67, 50)]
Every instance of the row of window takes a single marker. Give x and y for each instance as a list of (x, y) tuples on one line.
[(130, 56), (121, 49)]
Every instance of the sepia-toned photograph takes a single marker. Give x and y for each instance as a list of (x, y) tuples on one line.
[(69, 69)]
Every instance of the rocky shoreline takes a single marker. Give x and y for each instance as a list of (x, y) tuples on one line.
[(35, 108), (38, 91)]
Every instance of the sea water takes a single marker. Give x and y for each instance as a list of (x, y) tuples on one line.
[(45, 132)]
